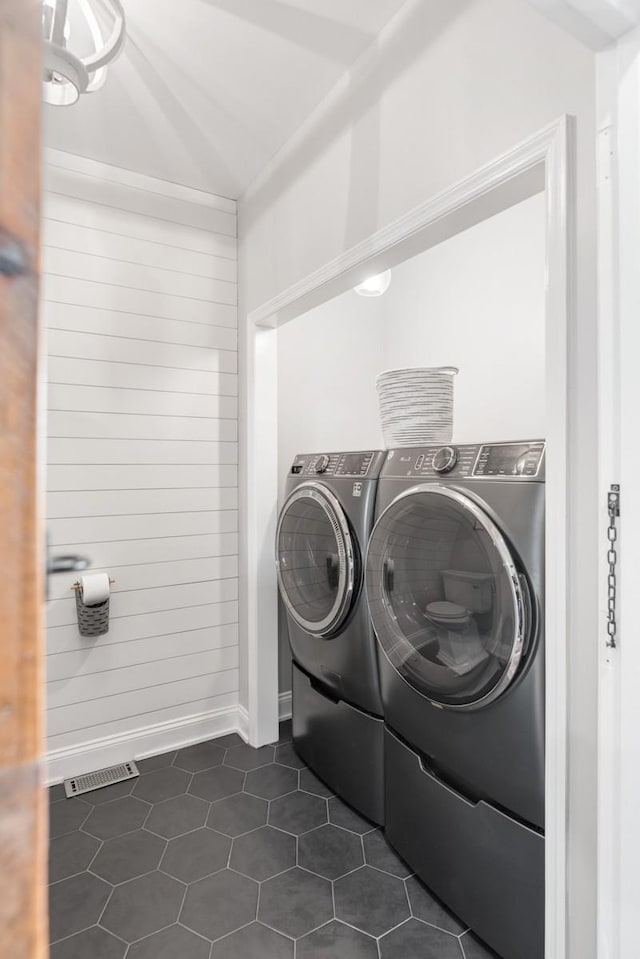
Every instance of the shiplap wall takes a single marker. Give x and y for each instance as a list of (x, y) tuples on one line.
[(139, 307)]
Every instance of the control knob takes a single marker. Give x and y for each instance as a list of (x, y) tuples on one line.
[(445, 459), (322, 463)]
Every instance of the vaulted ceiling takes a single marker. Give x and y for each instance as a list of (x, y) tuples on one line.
[(207, 91)]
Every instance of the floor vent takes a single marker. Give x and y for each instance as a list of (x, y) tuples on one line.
[(100, 778)]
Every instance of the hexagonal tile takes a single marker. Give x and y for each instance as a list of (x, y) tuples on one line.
[(295, 902), (56, 793), (174, 942), (200, 756), (229, 741), (216, 783), (298, 812), (162, 784), (342, 815), (414, 938), (425, 906), (107, 793), (371, 901), (142, 906), (65, 817), (336, 939), (330, 851), (70, 854), (152, 763), (253, 941), (378, 853), (93, 943), (474, 949), (263, 853), (287, 756), (271, 781), (245, 757), (196, 855), (173, 817), (75, 904), (126, 857), (237, 814), (116, 818), (220, 904), (310, 783)]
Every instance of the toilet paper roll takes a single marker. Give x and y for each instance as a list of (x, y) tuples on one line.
[(95, 588)]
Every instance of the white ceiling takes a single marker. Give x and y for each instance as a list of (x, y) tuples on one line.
[(207, 91)]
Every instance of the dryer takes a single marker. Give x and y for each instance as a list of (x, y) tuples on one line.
[(455, 588), (321, 539)]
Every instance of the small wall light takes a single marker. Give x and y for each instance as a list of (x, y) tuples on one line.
[(375, 285)]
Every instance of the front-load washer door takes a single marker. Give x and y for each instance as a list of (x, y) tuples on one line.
[(448, 604), (316, 559)]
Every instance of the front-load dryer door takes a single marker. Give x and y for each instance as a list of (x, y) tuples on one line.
[(315, 559), (448, 605)]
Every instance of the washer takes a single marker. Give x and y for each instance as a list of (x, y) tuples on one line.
[(455, 587), (322, 534)]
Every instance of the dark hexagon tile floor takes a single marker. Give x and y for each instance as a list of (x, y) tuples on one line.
[(220, 851)]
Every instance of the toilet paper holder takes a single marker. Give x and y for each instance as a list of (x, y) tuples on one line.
[(79, 585)]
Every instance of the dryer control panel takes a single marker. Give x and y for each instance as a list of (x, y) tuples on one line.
[(509, 461), (334, 464)]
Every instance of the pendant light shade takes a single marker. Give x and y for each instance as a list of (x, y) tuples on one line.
[(66, 75)]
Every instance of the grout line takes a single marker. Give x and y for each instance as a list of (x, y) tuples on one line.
[(148, 366), (141, 639), (138, 239), (146, 266), (143, 289), (207, 348), (146, 713), (137, 439), (167, 416), (149, 216), (55, 942), (148, 316), (143, 389), (168, 682), (128, 185)]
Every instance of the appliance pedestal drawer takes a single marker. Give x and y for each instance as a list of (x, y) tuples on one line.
[(341, 744), (485, 866)]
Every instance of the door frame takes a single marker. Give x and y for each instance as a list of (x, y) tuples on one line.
[(544, 162)]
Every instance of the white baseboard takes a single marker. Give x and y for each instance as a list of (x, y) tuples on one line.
[(243, 723), (145, 741), (284, 706)]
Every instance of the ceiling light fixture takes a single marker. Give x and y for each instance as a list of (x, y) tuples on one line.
[(64, 74), (375, 285)]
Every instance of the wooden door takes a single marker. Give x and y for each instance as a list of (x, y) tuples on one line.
[(23, 834)]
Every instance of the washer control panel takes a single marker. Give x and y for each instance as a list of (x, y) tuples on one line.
[(514, 461), (334, 464), (509, 459)]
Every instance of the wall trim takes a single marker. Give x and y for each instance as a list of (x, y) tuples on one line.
[(516, 174), (74, 163), (544, 161), (145, 741), (243, 723)]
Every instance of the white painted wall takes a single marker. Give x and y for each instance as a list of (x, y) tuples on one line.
[(139, 304), (327, 364), (475, 301), (445, 89)]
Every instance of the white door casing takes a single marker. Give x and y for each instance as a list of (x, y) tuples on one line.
[(545, 161)]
